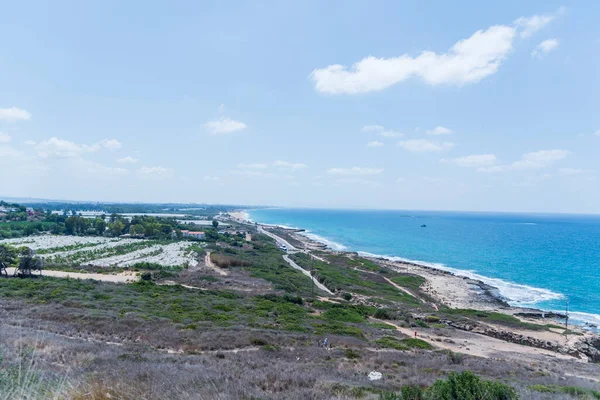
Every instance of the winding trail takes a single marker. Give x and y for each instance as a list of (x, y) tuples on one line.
[(212, 265), (305, 272)]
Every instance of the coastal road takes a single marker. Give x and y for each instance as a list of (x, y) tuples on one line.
[(280, 241)]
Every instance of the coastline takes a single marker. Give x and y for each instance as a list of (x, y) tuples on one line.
[(452, 287)]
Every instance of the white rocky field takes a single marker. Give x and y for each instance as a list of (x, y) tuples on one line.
[(106, 252)]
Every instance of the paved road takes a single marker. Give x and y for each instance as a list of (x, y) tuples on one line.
[(280, 241)]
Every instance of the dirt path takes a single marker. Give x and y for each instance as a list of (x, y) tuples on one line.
[(478, 345), (121, 278), (317, 257), (212, 265), (305, 272)]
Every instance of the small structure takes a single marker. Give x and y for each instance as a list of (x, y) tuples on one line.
[(193, 234)]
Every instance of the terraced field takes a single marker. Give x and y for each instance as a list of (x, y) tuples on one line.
[(107, 252)]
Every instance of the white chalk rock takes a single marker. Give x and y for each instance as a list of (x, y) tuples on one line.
[(375, 376)]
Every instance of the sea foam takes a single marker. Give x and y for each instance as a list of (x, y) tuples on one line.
[(514, 293)]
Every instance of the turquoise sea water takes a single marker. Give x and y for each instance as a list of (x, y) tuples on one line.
[(534, 260)]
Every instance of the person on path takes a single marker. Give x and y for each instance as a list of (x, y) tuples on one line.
[(325, 343)]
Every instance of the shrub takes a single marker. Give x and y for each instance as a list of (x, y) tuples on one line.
[(223, 261), (293, 299), (347, 296), (146, 276), (468, 386), (391, 343), (454, 358), (258, 342), (352, 354), (343, 315), (432, 318), (417, 343), (384, 313), (407, 392)]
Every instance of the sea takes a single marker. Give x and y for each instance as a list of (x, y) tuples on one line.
[(542, 261)]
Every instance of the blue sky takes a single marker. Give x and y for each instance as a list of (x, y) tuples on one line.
[(411, 105)]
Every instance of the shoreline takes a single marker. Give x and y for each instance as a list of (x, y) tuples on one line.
[(448, 285)]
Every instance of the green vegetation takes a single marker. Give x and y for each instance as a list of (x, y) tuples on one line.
[(403, 344), (458, 386), (574, 391), (344, 274), (409, 281), (20, 221), (495, 317)]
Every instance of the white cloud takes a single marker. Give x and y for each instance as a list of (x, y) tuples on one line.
[(60, 148), (381, 131), (5, 138), (372, 128), (111, 144), (127, 160), (439, 130), (597, 133), (472, 161), (545, 47), (355, 171), (155, 171), (253, 166), (540, 159), (391, 134), (375, 143), (400, 180), (212, 178), (285, 164), (30, 142), (13, 114), (224, 126), (534, 160), (423, 145), (467, 61), (530, 25)]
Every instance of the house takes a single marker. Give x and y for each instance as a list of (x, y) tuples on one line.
[(193, 234)]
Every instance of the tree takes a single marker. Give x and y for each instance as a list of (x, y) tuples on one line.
[(29, 263), (7, 258), (99, 225), (215, 223)]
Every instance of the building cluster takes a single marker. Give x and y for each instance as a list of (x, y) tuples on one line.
[(193, 234)]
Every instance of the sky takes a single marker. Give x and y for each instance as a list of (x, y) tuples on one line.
[(429, 105)]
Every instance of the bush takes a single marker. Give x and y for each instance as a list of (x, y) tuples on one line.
[(432, 318), (454, 358), (468, 386), (407, 392), (347, 296), (352, 354), (223, 261), (146, 276), (383, 313), (293, 299)]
